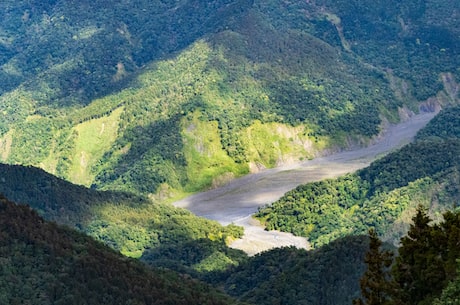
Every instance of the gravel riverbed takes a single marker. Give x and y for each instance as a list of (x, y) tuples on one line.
[(239, 199)]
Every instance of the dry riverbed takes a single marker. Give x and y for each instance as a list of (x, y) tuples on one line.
[(238, 200)]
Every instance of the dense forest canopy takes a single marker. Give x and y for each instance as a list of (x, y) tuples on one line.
[(138, 102), (92, 89), (382, 195), (43, 263), (127, 223)]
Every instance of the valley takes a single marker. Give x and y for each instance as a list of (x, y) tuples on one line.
[(284, 122), (236, 201)]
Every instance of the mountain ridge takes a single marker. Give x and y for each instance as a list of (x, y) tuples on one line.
[(246, 66), (50, 264), (150, 101)]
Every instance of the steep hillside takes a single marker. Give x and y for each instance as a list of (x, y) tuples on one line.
[(172, 97), (55, 199), (43, 263), (127, 223), (329, 275), (48, 264), (414, 40), (63, 53), (383, 195), (424, 268)]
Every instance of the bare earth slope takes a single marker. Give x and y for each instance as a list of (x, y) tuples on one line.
[(239, 199)]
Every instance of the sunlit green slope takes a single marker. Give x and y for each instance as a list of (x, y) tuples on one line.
[(383, 195), (44, 263), (127, 223), (171, 97)]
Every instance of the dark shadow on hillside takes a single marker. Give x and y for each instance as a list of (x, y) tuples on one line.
[(70, 52), (53, 198), (185, 256), (155, 156)]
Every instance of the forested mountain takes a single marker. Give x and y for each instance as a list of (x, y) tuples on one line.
[(176, 96), (44, 263), (140, 101), (165, 237), (127, 223), (422, 270), (51, 264), (383, 195), (329, 275)]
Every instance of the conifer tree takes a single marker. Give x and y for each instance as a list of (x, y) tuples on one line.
[(418, 272), (450, 294), (376, 282), (447, 240)]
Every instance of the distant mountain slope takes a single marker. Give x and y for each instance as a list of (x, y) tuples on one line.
[(148, 96), (66, 53), (415, 39), (382, 195), (43, 263), (53, 198)]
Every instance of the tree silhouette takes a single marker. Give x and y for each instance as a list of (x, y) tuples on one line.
[(419, 268), (376, 281)]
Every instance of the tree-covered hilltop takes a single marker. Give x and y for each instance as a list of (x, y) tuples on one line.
[(144, 95), (44, 263), (446, 125), (423, 270), (382, 195), (328, 275), (127, 223)]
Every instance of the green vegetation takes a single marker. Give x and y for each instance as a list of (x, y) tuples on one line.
[(144, 140), (270, 144), (446, 125), (203, 258), (93, 139), (48, 260), (248, 68), (450, 294), (378, 196), (208, 164), (166, 237), (43, 263), (133, 229), (127, 223), (164, 98), (328, 275), (415, 39), (424, 269), (374, 282)]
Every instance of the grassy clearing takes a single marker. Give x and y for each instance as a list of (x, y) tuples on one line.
[(95, 137), (273, 143), (206, 159)]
